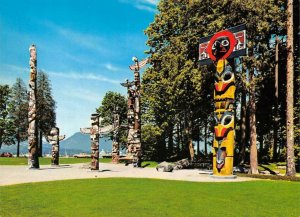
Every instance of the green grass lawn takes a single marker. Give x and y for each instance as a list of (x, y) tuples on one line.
[(149, 197), (47, 161)]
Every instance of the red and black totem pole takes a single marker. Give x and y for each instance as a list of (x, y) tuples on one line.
[(220, 49), (33, 160)]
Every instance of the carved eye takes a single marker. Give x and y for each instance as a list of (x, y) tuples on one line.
[(216, 43), (225, 42), (226, 120), (227, 76)]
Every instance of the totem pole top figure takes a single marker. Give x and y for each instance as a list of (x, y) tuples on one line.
[(225, 44), (138, 64)]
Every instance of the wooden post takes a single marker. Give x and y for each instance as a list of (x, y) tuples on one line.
[(115, 155), (54, 138), (94, 135), (33, 160)]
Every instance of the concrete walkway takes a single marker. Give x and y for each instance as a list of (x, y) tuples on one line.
[(10, 175)]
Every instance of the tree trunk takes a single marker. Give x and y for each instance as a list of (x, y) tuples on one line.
[(170, 141), (243, 125), (290, 167), (276, 103), (205, 138), (40, 143), (252, 110), (18, 146)]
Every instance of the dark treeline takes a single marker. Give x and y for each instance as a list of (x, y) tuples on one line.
[(178, 92)]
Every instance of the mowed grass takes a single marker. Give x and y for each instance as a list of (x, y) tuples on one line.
[(47, 161), (149, 197)]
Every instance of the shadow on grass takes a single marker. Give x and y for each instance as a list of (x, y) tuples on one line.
[(146, 165), (266, 168)]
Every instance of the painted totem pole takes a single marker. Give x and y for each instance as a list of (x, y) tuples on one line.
[(220, 49), (33, 160), (134, 114), (130, 117), (94, 135), (54, 139), (115, 144)]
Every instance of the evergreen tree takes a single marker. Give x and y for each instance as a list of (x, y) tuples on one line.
[(20, 111), (7, 127), (46, 115)]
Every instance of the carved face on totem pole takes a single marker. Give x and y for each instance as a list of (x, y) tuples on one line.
[(220, 47)]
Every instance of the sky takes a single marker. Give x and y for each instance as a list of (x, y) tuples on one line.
[(85, 47)]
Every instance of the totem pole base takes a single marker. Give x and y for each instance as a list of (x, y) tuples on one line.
[(223, 177)]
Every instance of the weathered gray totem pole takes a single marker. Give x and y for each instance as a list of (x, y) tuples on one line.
[(115, 144), (33, 160), (94, 135), (54, 139)]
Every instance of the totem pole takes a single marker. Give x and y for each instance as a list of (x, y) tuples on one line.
[(130, 117), (33, 160), (115, 143), (220, 49), (134, 114), (94, 135), (54, 139)]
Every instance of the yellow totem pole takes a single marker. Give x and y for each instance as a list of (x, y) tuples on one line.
[(220, 49)]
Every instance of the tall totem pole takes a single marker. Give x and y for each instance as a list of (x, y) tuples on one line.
[(220, 49), (33, 160), (115, 143), (54, 139), (134, 113)]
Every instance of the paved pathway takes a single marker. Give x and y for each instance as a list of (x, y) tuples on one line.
[(21, 174)]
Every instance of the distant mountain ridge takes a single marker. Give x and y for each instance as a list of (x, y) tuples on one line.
[(74, 144)]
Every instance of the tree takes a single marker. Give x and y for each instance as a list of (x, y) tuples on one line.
[(111, 101), (174, 83), (46, 115), (7, 127), (20, 111), (290, 167)]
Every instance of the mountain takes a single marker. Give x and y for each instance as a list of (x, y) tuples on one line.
[(75, 144), (82, 143)]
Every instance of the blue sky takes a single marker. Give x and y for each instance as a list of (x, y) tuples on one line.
[(85, 46)]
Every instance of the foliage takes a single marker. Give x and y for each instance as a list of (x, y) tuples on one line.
[(7, 125), (114, 101), (19, 98), (118, 197), (46, 115), (111, 101), (178, 93)]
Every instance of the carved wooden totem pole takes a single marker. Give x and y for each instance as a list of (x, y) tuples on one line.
[(115, 143), (54, 139), (130, 117), (134, 146), (33, 160), (220, 49), (94, 135)]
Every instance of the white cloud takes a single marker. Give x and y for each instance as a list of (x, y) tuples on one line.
[(146, 5), (83, 76), (84, 40), (112, 68)]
